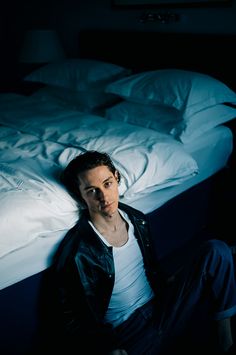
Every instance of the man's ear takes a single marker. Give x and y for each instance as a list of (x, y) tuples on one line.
[(117, 176)]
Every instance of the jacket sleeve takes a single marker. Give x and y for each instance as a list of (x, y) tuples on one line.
[(79, 326)]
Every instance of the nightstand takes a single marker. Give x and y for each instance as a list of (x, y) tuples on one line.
[(12, 80), (21, 87)]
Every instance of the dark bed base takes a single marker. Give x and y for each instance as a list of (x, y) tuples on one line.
[(28, 321), (198, 214)]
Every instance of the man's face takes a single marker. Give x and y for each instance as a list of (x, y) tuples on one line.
[(99, 189)]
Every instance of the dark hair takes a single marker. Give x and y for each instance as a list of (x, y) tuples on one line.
[(85, 161)]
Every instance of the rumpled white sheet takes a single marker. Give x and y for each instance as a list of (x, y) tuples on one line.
[(146, 158), (33, 203), (38, 139)]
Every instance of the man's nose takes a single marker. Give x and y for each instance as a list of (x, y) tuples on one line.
[(101, 195)]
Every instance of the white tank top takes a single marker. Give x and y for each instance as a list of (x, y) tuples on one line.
[(131, 289)]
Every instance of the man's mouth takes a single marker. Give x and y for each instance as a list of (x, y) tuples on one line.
[(106, 205)]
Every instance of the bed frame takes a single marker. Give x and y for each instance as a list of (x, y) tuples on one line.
[(26, 308)]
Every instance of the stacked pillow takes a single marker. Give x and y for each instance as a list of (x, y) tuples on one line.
[(197, 102), (165, 119), (79, 82)]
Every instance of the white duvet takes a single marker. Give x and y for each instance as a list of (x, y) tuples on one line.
[(33, 202), (38, 139)]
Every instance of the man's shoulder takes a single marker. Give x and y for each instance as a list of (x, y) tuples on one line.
[(131, 210), (72, 238)]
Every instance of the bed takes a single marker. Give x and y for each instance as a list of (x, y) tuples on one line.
[(170, 166)]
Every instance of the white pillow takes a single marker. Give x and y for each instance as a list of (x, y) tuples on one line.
[(184, 90), (146, 170), (204, 120), (169, 120), (86, 101), (78, 74), (147, 160), (160, 118)]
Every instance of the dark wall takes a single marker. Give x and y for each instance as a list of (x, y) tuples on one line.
[(68, 17)]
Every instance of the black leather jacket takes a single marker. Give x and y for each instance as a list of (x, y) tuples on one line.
[(85, 275)]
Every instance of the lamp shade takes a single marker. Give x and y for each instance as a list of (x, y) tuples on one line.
[(41, 46)]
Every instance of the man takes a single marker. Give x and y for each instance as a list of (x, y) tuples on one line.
[(112, 293)]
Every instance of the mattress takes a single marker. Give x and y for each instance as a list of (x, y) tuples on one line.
[(211, 152)]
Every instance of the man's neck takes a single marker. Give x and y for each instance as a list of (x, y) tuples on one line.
[(107, 223)]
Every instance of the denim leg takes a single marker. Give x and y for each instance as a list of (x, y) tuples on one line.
[(137, 334), (206, 284), (208, 277)]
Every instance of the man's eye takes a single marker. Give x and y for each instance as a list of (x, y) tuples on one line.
[(91, 192), (108, 184)]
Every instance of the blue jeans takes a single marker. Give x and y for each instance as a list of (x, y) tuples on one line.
[(204, 289)]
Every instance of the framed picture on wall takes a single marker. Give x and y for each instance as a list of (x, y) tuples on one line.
[(170, 3)]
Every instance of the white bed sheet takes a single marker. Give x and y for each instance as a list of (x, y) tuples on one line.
[(158, 159), (211, 152)]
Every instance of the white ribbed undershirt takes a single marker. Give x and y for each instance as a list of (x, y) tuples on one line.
[(131, 289)]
